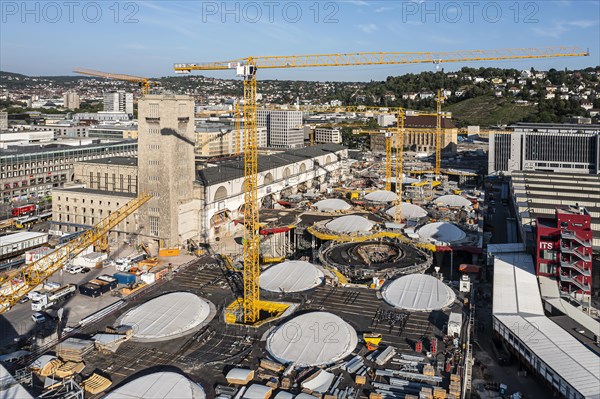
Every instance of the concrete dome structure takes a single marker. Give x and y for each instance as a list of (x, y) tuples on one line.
[(454, 201), (350, 224), (167, 316), (161, 385), (291, 276), (418, 292), (383, 196), (409, 211), (332, 205), (312, 339), (441, 232)]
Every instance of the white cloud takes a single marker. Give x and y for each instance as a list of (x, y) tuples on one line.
[(383, 9), (359, 3), (559, 28), (368, 28)]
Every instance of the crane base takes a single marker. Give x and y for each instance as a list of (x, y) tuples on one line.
[(269, 311)]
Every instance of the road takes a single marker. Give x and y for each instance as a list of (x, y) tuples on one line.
[(487, 367)]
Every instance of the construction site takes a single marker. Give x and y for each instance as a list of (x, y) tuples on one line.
[(280, 273)]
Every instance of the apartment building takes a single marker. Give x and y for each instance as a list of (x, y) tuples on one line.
[(118, 101)]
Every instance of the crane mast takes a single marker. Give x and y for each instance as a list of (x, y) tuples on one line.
[(247, 67)]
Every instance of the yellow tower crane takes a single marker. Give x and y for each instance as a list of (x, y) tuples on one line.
[(145, 83), (18, 284), (438, 132), (247, 67)]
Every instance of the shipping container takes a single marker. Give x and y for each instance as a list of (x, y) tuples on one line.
[(110, 280), (168, 252), (90, 289), (124, 278), (104, 286)]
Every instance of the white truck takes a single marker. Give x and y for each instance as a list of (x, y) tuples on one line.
[(123, 265), (45, 300)]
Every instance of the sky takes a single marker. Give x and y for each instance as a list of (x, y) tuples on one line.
[(146, 38)]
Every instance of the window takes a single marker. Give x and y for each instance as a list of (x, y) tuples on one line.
[(153, 110), (154, 226)]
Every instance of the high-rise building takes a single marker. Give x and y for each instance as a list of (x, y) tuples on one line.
[(546, 147), (564, 249), (118, 101), (284, 128), (71, 100), (166, 141)]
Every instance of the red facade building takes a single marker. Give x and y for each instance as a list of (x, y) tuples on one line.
[(564, 249)]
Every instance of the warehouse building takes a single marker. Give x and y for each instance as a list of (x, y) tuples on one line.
[(547, 147), (566, 365)]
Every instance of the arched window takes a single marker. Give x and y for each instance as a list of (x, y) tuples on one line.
[(220, 194)]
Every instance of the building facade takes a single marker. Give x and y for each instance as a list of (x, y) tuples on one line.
[(328, 135), (421, 137), (546, 147), (96, 117), (3, 120), (118, 101), (564, 249), (113, 132), (166, 140), (221, 188), (71, 100), (34, 172), (62, 130), (221, 141), (284, 128)]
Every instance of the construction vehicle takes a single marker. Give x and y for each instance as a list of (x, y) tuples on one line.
[(372, 340), (45, 300), (144, 83), (247, 69), (18, 284)]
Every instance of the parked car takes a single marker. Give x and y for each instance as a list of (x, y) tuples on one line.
[(24, 300), (73, 269), (85, 270), (38, 317)]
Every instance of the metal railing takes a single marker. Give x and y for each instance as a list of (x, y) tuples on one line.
[(574, 251), (571, 235), (574, 266), (577, 283)]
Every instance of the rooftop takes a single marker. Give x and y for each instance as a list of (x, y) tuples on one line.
[(234, 168), (97, 192), (121, 161), (517, 304), (55, 146)]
